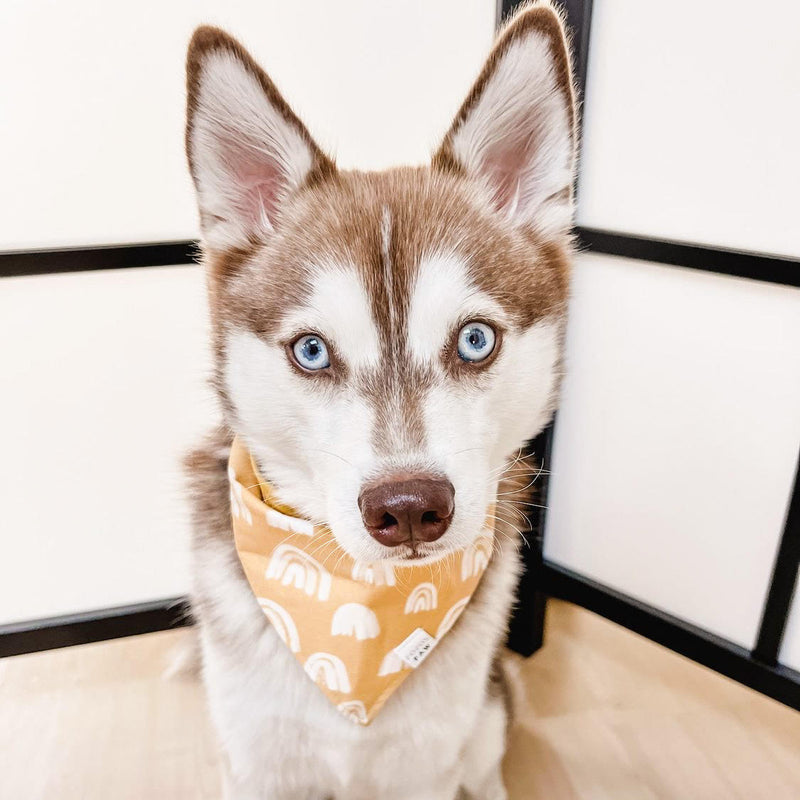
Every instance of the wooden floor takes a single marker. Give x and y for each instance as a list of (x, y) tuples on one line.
[(603, 714)]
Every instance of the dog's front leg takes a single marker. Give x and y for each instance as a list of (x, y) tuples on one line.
[(237, 789), (441, 787), (483, 756)]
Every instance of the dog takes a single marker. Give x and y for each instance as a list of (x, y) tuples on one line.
[(375, 330)]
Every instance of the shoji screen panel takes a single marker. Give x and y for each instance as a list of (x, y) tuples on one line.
[(104, 377), (677, 438), (104, 372), (92, 99), (691, 123)]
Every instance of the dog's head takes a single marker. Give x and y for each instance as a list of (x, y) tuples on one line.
[(385, 342)]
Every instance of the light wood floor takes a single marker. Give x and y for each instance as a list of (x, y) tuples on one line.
[(603, 714)]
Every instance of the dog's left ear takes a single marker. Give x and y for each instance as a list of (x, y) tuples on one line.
[(516, 129), (248, 151)]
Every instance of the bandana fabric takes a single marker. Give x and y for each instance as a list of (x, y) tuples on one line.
[(357, 629)]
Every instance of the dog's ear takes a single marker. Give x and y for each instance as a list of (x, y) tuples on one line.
[(247, 150), (516, 129)]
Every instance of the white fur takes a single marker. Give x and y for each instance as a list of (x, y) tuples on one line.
[(312, 444), (443, 295), (472, 430), (523, 121), (339, 309), (237, 131), (386, 259)]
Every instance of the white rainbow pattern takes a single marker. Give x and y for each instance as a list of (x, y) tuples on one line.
[(293, 567), (424, 597), (283, 623), (391, 664), (355, 710), (286, 523), (453, 613), (476, 558), (355, 619), (376, 573), (328, 670)]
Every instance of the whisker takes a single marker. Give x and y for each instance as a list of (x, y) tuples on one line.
[(335, 455)]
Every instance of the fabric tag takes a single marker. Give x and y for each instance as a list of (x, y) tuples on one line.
[(415, 648)]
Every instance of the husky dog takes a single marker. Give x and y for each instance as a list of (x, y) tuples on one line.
[(374, 332)]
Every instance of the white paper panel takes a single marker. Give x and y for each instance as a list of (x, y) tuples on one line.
[(790, 651), (692, 122), (104, 388), (677, 438), (92, 99)]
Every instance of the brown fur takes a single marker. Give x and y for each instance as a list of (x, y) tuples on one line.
[(338, 215), (206, 40), (529, 17), (340, 218)]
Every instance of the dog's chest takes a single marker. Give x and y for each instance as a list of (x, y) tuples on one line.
[(267, 707), (272, 716)]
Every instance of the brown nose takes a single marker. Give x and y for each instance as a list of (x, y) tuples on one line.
[(417, 510)]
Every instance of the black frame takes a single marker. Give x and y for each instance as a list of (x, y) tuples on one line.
[(757, 668), (14, 263), (94, 626)]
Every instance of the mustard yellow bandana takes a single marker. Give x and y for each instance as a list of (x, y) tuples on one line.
[(357, 629)]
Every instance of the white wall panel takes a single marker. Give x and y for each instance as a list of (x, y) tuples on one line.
[(103, 379), (677, 438), (92, 99), (692, 120), (790, 650)]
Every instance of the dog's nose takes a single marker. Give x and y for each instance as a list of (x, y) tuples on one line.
[(418, 510)]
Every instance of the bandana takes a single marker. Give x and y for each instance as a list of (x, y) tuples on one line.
[(358, 629)]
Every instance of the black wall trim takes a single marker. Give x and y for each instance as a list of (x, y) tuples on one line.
[(780, 683), (526, 626), (756, 266), (782, 585), (79, 259), (93, 626)]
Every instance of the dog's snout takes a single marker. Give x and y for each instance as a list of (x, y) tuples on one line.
[(415, 510)]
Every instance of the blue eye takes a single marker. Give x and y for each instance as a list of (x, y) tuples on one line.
[(311, 352), (475, 341)]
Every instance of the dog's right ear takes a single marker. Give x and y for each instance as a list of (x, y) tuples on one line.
[(516, 130), (247, 150)]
